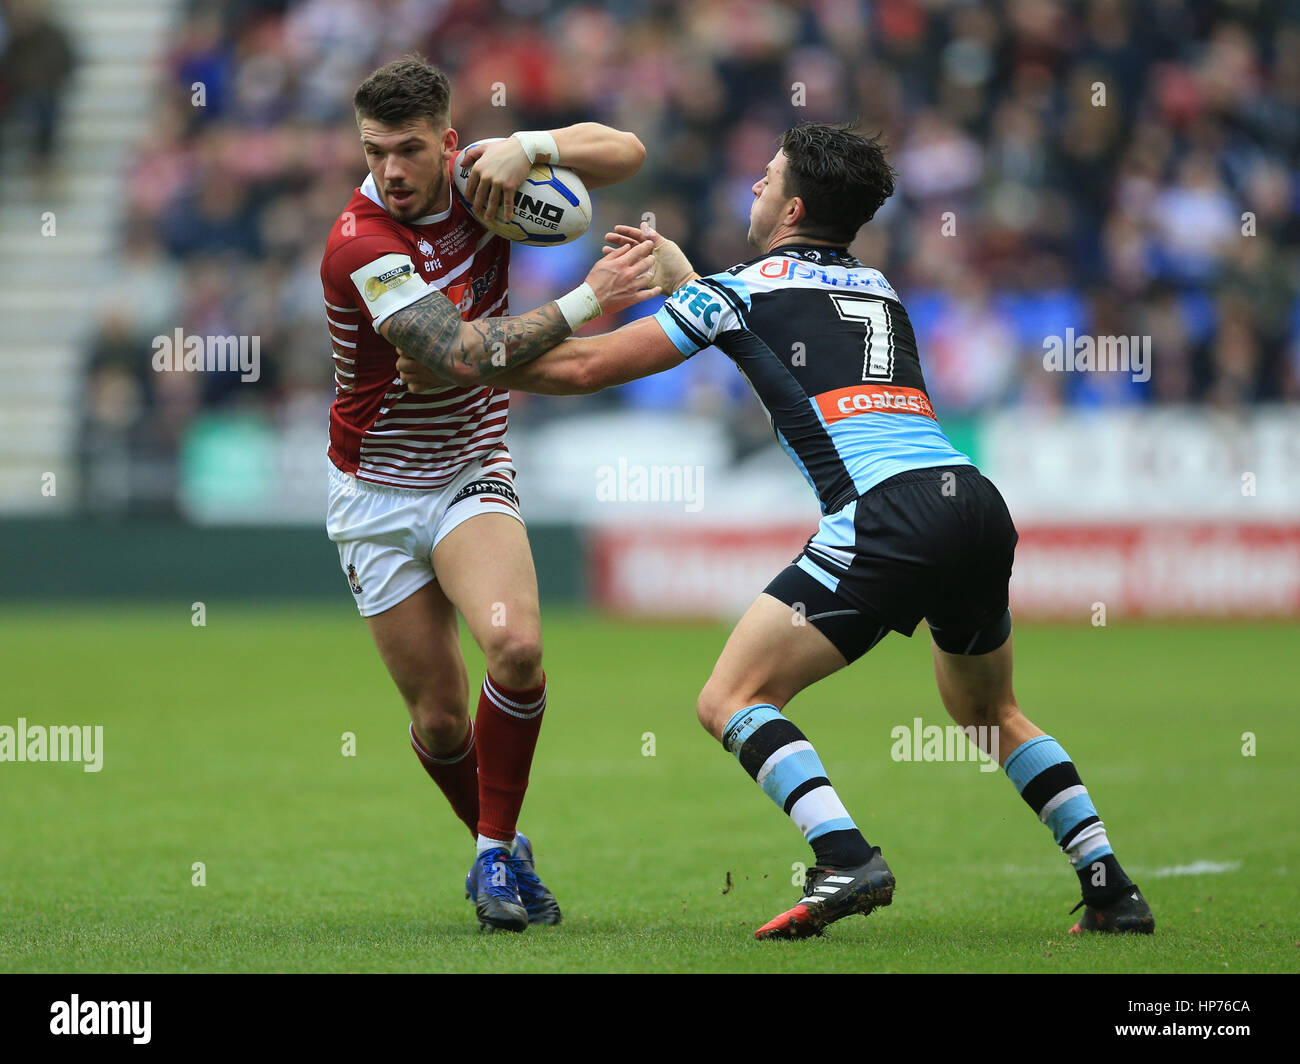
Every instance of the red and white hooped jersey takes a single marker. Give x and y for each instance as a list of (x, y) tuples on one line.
[(374, 265)]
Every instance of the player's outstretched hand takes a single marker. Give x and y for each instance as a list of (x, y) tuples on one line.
[(672, 268), (624, 276), (416, 375), (497, 172)]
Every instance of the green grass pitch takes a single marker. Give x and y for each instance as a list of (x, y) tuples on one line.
[(223, 745)]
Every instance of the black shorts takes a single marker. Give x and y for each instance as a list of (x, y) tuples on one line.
[(934, 543)]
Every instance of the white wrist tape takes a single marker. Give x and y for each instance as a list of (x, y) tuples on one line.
[(538, 142), (579, 306)]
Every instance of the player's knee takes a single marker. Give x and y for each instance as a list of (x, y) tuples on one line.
[(992, 712), (439, 728), (712, 710), (515, 658)]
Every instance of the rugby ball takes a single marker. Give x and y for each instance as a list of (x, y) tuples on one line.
[(552, 207)]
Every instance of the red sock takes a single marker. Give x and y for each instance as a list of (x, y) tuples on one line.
[(508, 724), (456, 776)]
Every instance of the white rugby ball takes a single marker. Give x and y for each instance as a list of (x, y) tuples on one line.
[(552, 207)]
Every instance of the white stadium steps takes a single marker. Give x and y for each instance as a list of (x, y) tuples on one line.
[(51, 296)]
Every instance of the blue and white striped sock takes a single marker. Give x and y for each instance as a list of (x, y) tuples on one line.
[(1047, 780), (783, 762)]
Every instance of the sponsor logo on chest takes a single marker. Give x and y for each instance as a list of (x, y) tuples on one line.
[(465, 292)]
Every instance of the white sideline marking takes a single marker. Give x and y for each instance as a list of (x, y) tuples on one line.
[(1197, 868)]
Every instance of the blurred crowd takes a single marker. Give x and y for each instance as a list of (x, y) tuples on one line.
[(1119, 167)]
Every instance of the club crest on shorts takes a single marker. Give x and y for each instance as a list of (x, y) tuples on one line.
[(353, 582)]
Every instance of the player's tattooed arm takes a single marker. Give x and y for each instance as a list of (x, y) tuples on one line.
[(582, 365), (432, 332)]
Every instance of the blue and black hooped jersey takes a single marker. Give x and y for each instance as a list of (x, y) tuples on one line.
[(829, 351)]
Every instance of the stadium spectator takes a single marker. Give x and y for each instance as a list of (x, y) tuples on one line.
[(37, 64), (1116, 166)]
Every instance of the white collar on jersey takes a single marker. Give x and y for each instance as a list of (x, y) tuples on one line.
[(371, 191)]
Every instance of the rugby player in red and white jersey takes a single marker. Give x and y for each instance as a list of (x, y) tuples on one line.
[(421, 502)]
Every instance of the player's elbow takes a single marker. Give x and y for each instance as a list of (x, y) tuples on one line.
[(635, 153), (626, 154)]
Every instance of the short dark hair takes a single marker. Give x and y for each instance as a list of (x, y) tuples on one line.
[(841, 176), (404, 89)]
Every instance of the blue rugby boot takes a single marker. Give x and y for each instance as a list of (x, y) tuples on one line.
[(491, 883), (538, 901)]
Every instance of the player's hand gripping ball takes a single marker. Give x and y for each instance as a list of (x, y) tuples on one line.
[(551, 207)]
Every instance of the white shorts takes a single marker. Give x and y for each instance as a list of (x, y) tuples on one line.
[(386, 535)]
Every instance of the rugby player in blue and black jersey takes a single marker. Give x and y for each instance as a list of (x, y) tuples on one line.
[(911, 529)]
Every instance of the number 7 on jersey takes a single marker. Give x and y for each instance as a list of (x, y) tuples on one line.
[(878, 343)]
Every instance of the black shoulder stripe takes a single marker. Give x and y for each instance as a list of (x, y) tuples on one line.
[(687, 327), (726, 294)]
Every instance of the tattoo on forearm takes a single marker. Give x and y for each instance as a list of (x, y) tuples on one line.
[(431, 331)]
